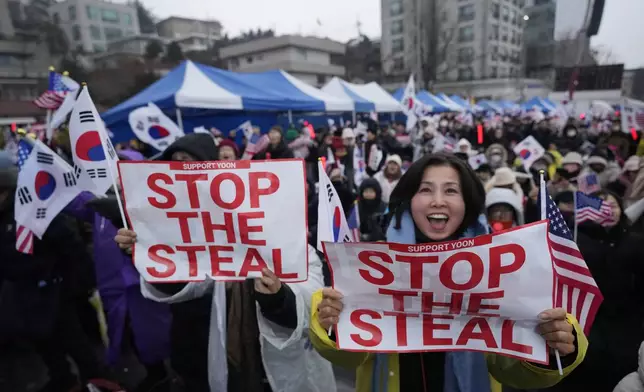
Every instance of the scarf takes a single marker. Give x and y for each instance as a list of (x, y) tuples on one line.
[(465, 371)]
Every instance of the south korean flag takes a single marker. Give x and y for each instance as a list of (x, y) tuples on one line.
[(93, 152), (153, 127), (46, 184)]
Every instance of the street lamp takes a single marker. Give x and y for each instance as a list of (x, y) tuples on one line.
[(526, 18)]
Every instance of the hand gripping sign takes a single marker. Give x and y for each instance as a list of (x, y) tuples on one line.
[(224, 220), (481, 294)]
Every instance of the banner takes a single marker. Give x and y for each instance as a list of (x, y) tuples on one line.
[(632, 115), (225, 220), (480, 294)]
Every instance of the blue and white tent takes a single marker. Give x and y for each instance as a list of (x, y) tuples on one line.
[(542, 104), (196, 86), (366, 97), (447, 101), (428, 99), (466, 104), (490, 106)]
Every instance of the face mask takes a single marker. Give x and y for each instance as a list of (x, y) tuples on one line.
[(571, 133), (498, 134), (495, 158), (443, 123), (616, 128), (501, 225)]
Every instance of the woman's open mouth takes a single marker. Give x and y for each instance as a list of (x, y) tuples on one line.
[(437, 222)]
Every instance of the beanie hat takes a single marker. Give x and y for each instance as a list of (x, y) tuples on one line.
[(503, 176), (596, 159), (573, 157), (347, 133), (632, 163), (231, 144), (394, 158), (291, 134)]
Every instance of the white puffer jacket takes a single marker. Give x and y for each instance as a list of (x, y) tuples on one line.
[(634, 382)]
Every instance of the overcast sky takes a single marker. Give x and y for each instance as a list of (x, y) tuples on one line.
[(621, 32)]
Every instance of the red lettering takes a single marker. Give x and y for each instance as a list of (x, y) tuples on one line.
[(401, 326), (496, 269), (153, 254), (447, 270), (277, 266), (244, 229), (170, 199), (387, 276), (210, 227), (454, 305), (215, 190), (191, 186), (248, 266), (485, 333), (216, 260), (254, 189), (398, 297), (475, 303), (183, 217), (430, 325), (376, 334), (416, 268), (191, 251), (507, 332)]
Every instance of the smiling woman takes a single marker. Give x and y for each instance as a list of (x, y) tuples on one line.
[(443, 195)]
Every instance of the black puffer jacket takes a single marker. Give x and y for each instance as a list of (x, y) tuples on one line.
[(200, 145)]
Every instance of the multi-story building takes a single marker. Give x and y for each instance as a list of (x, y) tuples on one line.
[(91, 24), (192, 35), (466, 39), (539, 39), (311, 59)]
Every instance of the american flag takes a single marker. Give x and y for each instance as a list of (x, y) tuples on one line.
[(575, 288), (55, 94), (588, 183), (592, 209), (24, 236), (354, 222)]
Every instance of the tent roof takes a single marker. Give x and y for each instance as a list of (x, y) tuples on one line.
[(340, 88), (367, 97), (197, 86)]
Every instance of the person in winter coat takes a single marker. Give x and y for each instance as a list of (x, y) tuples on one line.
[(614, 256), (504, 209), (607, 171), (497, 156), (570, 139), (370, 209), (633, 382), (439, 198), (464, 146), (118, 284), (342, 187), (372, 140), (253, 337), (228, 150), (389, 176), (277, 148), (505, 177), (572, 162), (40, 294)]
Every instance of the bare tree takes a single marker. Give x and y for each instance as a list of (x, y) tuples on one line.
[(603, 55), (436, 36)]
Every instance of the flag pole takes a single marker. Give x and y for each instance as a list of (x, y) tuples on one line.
[(544, 215), (574, 230)]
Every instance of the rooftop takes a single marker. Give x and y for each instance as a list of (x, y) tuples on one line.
[(180, 18), (272, 43)]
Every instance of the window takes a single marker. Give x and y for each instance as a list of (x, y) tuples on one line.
[(397, 27), (76, 33), (521, 3), (513, 37), (129, 33), (396, 8), (466, 34), (110, 16), (493, 72), (112, 33), (496, 11), (5, 60), (466, 13), (302, 54), (234, 63), (465, 73), (444, 16), (397, 45), (494, 33), (505, 13), (93, 13), (72, 12), (503, 53), (514, 19), (98, 48), (127, 19), (519, 38), (249, 59), (56, 18), (465, 55), (96, 33), (399, 64), (495, 53), (320, 79), (504, 34)]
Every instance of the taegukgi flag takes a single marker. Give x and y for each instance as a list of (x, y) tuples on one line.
[(92, 149), (153, 127)]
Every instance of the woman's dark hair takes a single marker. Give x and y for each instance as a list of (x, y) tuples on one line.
[(471, 188)]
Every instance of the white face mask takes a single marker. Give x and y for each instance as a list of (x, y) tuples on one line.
[(443, 123), (495, 158), (571, 133)]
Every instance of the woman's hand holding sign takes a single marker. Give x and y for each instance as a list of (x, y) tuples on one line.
[(557, 331), (330, 307), (269, 283)]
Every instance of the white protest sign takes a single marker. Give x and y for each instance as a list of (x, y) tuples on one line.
[(224, 220), (480, 294)]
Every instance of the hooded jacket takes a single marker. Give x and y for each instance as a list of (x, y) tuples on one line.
[(506, 196), (634, 382), (200, 145)]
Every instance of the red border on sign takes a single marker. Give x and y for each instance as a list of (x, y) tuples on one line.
[(486, 239), (169, 164)]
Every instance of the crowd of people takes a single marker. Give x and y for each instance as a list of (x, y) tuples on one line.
[(410, 186)]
